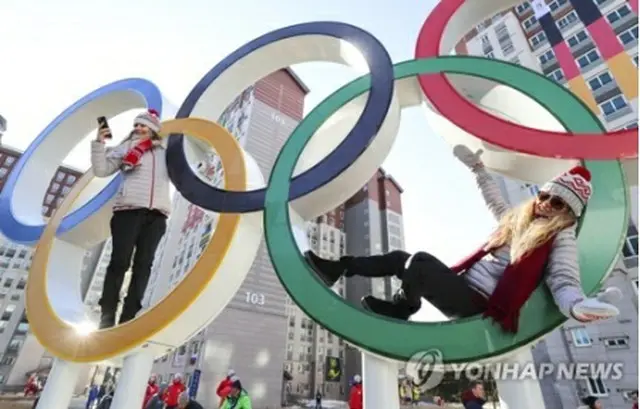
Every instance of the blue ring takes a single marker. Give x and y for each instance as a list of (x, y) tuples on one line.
[(28, 234), (378, 103)]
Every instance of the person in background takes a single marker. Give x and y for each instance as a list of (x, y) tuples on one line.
[(238, 398), (105, 402), (32, 386), (139, 214), (93, 396), (157, 400), (185, 402), (591, 402), (355, 394), (224, 387), (173, 392), (152, 389), (318, 400), (474, 397), (415, 389), (634, 398)]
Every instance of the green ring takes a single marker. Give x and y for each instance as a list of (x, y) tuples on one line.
[(602, 230)]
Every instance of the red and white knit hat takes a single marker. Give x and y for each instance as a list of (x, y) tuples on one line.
[(150, 119), (573, 187)]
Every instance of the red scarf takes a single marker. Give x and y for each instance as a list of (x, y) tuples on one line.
[(132, 158), (516, 285)]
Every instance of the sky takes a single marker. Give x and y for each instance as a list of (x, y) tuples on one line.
[(54, 53)]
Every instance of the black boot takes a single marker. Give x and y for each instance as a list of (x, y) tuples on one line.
[(399, 308), (107, 320), (329, 271)]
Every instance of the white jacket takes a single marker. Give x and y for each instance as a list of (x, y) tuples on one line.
[(146, 186)]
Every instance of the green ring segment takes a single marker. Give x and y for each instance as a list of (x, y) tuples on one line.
[(600, 239)]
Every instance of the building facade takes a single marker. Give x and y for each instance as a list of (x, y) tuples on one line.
[(249, 334), (590, 47), (373, 225), (15, 261)]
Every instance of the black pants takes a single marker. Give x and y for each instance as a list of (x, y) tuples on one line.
[(139, 230), (426, 277)]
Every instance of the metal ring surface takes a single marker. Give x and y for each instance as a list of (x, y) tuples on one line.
[(457, 109), (155, 324), (602, 230), (19, 231), (379, 100)]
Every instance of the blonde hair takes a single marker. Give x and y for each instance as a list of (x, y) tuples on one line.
[(520, 229)]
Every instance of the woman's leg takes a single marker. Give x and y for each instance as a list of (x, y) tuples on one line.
[(153, 228), (125, 227), (384, 265), (429, 278)]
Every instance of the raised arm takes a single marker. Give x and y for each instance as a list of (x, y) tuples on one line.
[(106, 161), (563, 272), (490, 190)]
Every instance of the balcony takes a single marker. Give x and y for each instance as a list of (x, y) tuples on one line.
[(582, 47)]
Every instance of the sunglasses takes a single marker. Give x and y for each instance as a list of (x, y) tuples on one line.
[(555, 202)]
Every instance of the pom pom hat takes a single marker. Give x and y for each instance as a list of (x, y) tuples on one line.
[(150, 119), (573, 187)]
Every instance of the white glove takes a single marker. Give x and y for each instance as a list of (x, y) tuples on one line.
[(599, 307), (467, 157)]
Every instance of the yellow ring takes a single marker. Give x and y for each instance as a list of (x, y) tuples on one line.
[(62, 339)]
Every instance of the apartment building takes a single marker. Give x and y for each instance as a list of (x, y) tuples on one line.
[(15, 261), (261, 118), (589, 46), (368, 223), (373, 225), (309, 346)]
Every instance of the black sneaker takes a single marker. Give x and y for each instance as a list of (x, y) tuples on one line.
[(329, 271), (107, 321), (399, 309)]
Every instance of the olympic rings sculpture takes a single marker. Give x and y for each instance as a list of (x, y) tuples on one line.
[(303, 183)]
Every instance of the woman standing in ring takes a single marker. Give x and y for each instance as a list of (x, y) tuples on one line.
[(139, 213)]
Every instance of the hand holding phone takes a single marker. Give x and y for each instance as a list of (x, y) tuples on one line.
[(104, 132)]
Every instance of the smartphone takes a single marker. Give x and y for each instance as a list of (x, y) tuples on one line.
[(102, 124)]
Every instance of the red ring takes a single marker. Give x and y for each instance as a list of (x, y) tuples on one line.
[(457, 109)]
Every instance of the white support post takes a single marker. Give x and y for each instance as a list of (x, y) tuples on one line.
[(132, 380), (61, 382), (517, 393), (380, 383)]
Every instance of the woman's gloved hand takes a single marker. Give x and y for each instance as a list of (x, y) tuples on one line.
[(467, 157)]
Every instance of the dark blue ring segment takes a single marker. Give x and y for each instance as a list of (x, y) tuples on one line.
[(378, 102), (19, 232)]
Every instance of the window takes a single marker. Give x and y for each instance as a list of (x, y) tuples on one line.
[(55, 187), (538, 39), (530, 22), (613, 105), (490, 55), (616, 342), (546, 57), (618, 14), (588, 58), (635, 60), (580, 337), (556, 75), (629, 36), (565, 21), (71, 179), (596, 387), (630, 248), (59, 177), (9, 161), (556, 4), (49, 199), (3, 172), (8, 282), (522, 7), (600, 80), (577, 38)]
